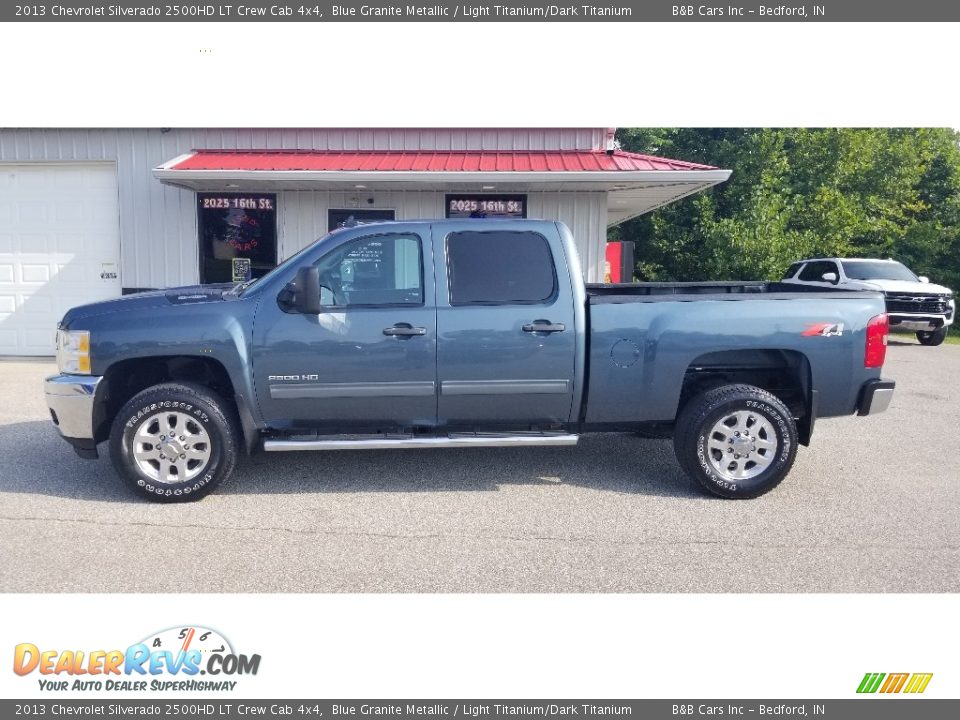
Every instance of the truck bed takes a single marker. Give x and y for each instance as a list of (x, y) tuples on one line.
[(644, 337)]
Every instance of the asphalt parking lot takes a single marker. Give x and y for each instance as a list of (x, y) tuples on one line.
[(872, 506)]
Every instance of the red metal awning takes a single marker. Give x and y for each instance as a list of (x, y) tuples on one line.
[(634, 184), (544, 161)]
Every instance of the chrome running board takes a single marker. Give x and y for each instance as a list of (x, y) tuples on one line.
[(411, 442)]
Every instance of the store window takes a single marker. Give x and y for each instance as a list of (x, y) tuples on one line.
[(238, 236), (343, 218), (486, 206)]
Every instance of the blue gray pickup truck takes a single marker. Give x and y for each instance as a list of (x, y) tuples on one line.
[(454, 334)]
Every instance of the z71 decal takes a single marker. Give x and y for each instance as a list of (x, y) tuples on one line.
[(824, 330)]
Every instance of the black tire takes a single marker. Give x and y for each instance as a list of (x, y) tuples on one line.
[(768, 415), (203, 414), (932, 337)]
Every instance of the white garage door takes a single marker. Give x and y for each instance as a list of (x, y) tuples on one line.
[(59, 247)]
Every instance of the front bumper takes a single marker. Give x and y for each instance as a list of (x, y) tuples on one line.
[(924, 323), (875, 396), (71, 399)]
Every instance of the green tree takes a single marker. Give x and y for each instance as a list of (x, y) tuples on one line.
[(797, 193)]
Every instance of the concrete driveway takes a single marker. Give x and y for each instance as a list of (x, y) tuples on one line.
[(872, 506)]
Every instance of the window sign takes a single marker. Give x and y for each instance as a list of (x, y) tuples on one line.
[(238, 235), (241, 269), (486, 206)]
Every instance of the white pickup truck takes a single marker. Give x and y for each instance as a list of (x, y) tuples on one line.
[(913, 302)]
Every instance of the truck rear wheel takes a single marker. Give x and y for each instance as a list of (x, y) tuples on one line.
[(174, 442), (932, 337), (736, 441)]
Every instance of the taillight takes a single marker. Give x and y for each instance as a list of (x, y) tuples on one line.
[(876, 348)]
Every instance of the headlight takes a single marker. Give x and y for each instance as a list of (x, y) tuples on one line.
[(73, 351)]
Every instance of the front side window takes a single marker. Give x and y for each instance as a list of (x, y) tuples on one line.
[(791, 271), (500, 268), (373, 270), (814, 271)]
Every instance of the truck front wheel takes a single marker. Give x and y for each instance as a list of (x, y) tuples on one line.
[(174, 442), (932, 337), (736, 441)]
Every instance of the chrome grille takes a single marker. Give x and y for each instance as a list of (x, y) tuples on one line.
[(908, 303)]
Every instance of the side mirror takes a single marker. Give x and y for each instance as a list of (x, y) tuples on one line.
[(923, 279), (306, 291), (830, 278)]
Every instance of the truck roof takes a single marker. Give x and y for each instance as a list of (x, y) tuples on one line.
[(429, 221), (842, 259)]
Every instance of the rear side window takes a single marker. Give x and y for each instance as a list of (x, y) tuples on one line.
[(500, 268)]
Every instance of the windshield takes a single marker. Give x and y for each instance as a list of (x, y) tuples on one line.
[(877, 271), (238, 290)]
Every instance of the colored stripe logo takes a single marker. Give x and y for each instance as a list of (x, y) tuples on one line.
[(913, 683)]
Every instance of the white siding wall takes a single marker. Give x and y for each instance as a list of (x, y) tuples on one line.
[(158, 223), (302, 216), (585, 213)]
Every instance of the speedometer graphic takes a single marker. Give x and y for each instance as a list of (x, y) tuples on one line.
[(184, 639)]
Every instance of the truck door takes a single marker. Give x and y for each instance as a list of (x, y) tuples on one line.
[(368, 360), (505, 327)]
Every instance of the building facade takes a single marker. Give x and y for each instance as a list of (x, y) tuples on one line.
[(90, 214)]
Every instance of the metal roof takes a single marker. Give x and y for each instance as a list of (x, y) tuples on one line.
[(544, 161)]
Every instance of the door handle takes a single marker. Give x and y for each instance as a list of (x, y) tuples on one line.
[(404, 330), (544, 326)]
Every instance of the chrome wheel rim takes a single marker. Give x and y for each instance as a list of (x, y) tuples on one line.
[(741, 445), (171, 447)]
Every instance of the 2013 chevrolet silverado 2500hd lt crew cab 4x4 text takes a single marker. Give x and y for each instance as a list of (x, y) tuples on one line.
[(460, 333)]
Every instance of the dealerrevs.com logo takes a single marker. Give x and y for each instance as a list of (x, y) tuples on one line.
[(172, 659)]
